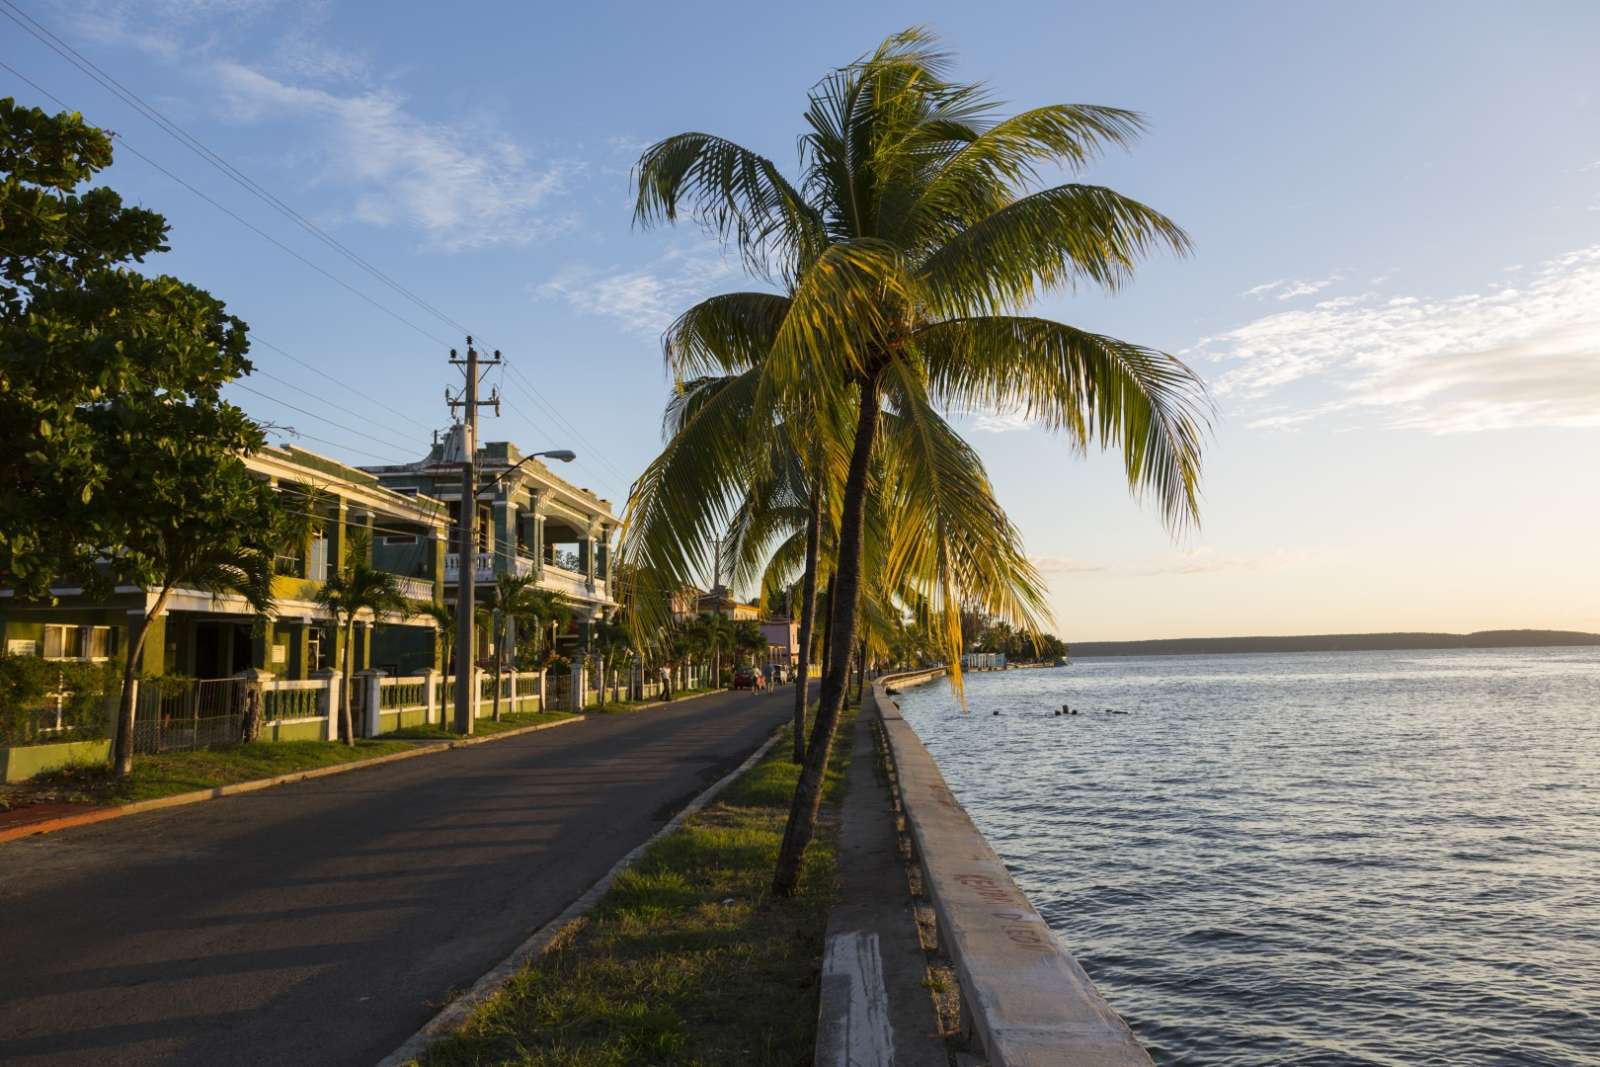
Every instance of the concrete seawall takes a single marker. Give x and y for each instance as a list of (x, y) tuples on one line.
[(1023, 997)]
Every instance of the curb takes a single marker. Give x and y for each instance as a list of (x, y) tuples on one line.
[(178, 800), (455, 1014)]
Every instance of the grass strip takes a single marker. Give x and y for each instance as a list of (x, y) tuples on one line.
[(688, 959), (184, 772), (480, 728), (652, 702)]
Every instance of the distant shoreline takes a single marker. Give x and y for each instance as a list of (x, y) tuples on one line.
[(1390, 642)]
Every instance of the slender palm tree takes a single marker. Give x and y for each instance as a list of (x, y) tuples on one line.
[(910, 250), (443, 615), (354, 591)]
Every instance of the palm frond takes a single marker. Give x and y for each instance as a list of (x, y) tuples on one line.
[(1053, 238), (1095, 388)]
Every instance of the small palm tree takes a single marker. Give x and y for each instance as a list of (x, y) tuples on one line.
[(192, 562), (444, 618), (354, 591)]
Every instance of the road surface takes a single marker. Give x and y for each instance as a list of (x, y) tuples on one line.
[(323, 922)]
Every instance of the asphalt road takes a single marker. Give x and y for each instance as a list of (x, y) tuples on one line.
[(322, 922)]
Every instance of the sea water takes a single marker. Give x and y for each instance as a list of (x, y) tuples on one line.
[(1321, 858)]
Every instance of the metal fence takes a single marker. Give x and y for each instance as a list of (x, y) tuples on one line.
[(193, 714)]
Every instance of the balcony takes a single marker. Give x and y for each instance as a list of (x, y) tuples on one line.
[(485, 571), (415, 588), (561, 580)]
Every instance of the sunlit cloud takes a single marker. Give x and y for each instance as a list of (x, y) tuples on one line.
[(643, 301), (1289, 288), (1064, 565), (1506, 356), (463, 187), (1208, 560)]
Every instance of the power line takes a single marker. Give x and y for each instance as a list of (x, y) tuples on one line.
[(108, 82), (240, 219), (43, 34), (284, 382)]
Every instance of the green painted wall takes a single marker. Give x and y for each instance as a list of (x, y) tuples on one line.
[(19, 764)]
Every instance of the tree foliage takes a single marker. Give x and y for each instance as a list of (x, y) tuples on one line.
[(116, 437)]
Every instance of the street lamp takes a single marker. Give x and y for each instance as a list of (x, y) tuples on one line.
[(466, 589)]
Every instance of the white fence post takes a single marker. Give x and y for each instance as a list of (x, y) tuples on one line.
[(328, 701), (371, 682), (580, 683), (430, 693), (512, 686), (477, 691)]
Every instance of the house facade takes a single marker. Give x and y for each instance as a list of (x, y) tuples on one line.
[(529, 522), (217, 635)]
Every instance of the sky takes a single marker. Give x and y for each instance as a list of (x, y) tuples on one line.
[(1394, 296)]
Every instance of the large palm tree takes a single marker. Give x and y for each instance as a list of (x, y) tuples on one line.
[(356, 590), (910, 250)]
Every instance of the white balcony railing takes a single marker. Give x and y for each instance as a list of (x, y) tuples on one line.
[(484, 572), (560, 580), (415, 588)]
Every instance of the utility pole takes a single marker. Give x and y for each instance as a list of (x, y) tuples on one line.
[(467, 548)]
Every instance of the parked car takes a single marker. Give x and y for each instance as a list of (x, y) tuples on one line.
[(748, 678)]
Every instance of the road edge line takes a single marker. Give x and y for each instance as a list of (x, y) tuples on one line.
[(178, 800), (453, 1015)]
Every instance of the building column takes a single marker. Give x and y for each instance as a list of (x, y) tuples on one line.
[(339, 539), (589, 556), (538, 534), (503, 531), (440, 546)]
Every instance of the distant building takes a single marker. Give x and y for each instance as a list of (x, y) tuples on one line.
[(783, 640)]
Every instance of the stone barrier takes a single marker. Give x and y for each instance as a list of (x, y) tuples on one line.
[(1023, 996)]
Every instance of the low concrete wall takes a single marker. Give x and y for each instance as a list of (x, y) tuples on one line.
[(1023, 995), (23, 762)]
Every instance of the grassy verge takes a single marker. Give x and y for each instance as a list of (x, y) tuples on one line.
[(184, 772), (687, 960), (480, 728)]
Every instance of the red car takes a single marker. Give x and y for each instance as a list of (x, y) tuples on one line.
[(748, 678)]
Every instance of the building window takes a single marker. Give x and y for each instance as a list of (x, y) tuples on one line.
[(79, 642), (318, 643)]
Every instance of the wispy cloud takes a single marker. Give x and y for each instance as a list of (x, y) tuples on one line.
[(1064, 565), (1289, 288), (1001, 422), (643, 301), (1208, 560), (462, 185), (1504, 357), (459, 181)]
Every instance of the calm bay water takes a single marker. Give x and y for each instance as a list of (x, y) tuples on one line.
[(1328, 858)]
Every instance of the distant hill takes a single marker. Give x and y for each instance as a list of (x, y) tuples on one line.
[(1197, 646)]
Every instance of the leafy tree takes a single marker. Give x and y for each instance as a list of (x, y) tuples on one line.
[(98, 362), (356, 590), (122, 463), (748, 639), (910, 250)]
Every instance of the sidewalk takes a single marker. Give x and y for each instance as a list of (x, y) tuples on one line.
[(876, 1008)]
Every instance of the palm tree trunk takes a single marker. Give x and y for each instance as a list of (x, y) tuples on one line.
[(349, 665), (123, 746), (827, 630), (842, 631), (808, 611)]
